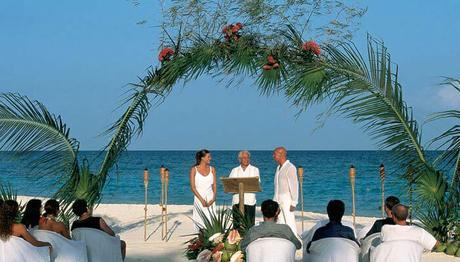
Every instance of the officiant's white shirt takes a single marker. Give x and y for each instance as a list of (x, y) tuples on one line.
[(286, 184), (250, 171)]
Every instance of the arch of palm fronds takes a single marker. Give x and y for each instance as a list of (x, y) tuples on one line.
[(364, 88)]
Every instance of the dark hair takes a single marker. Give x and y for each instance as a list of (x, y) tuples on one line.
[(269, 208), (400, 212), (51, 207), (31, 215), (79, 207), (391, 201), (8, 214), (335, 210), (199, 155)]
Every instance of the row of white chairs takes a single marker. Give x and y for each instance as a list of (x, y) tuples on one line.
[(335, 249), (88, 245)]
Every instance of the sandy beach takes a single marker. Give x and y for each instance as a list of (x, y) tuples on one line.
[(128, 221)]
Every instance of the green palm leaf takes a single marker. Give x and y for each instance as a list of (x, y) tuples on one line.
[(39, 137), (449, 139), (368, 92)]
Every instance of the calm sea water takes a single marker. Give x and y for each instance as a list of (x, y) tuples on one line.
[(326, 177)]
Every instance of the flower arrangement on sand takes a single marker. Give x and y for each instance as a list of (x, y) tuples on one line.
[(217, 241)]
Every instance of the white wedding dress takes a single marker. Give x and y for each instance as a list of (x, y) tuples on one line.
[(203, 185)]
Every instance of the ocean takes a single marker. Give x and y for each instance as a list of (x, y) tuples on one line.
[(325, 178)]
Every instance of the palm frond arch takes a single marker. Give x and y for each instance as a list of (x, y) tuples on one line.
[(364, 88)]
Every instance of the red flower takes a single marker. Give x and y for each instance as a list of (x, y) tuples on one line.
[(271, 60), (165, 54), (267, 67), (311, 46), (276, 65), (218, 248), (239, 25), (195, 245)]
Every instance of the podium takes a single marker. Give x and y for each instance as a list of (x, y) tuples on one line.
[(241, 185)]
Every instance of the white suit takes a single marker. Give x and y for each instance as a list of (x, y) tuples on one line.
[(287, 193)]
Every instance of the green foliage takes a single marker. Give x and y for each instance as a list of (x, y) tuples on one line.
[(28, 127), (329, 20)]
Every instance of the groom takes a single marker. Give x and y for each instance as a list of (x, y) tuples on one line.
[(286, 188)]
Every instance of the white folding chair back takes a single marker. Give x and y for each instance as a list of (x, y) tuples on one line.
[(99, 245), (363, 231), (16, 249), (271, 249), (397, 250), (368, 244), (64, 250), (333, 249)]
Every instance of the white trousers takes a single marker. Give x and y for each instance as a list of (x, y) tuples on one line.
[(287, 217)]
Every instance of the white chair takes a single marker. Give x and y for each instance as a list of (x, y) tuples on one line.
[(64, 250), (368, 244), (16, 249), (271, 249), (363, 231), (397, 250), (99, 245), (333, 249)]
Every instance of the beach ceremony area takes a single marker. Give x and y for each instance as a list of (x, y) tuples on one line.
[(229, 131)]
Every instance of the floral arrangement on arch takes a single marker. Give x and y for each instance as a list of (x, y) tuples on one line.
[(216, 241), (232, 31)]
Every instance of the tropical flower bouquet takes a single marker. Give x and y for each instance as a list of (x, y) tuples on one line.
[(216, 241)]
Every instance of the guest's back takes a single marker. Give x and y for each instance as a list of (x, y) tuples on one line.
[(90, 222), (49, 220)]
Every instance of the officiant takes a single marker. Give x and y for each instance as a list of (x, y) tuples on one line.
[(245, 169)]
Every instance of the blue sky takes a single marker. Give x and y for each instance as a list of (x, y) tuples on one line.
[(77, 57)]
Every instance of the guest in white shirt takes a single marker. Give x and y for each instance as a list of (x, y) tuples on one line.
[(245, 169), (286, 188), (402, 231)]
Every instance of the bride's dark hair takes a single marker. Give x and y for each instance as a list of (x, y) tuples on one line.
[(199, 155)]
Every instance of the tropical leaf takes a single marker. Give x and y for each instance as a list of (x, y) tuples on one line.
[(449, 140), (368, 92), (37, 136)]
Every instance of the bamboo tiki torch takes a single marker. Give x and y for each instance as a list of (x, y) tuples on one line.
[(352, 181), (165, 205), (162, 199), (162, 175), (300, 174), (382, 186), (146, 184)]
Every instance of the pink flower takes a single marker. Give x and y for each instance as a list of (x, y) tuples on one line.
[(165, 54), (204, 256), (311, 46), (234, 237)]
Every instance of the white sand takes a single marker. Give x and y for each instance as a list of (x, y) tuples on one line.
[(128, 221)]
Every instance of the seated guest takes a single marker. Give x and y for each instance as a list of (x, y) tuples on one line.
[(269, 228), (8, 226), (335, 211), (390, 202), (32, 213), (402, 231), (85, 220), (49, 219)]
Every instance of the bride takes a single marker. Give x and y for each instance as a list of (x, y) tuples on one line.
[(203, 185)]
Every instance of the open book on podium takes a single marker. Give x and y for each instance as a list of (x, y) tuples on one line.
[(241, 185)]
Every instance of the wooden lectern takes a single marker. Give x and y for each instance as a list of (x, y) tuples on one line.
[(241, 185)]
